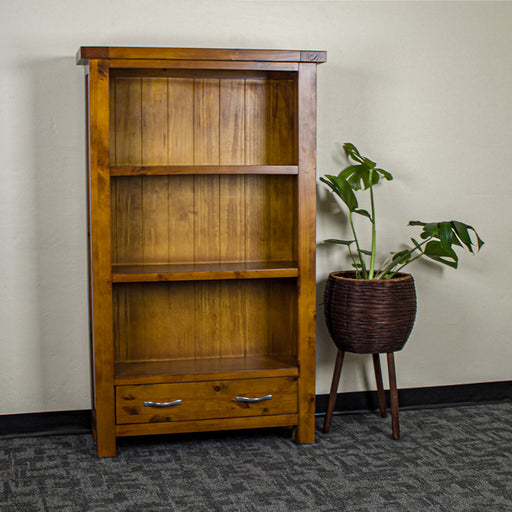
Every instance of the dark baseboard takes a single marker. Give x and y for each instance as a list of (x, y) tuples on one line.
[(45, 423), (79, 422), (416, 398)]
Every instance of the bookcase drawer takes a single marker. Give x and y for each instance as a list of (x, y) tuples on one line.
[(151, 403)]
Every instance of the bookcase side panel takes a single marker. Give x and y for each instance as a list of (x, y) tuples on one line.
[(305, 432), (100, 259)]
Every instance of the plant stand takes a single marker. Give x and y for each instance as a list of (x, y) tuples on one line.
[(393, 391)]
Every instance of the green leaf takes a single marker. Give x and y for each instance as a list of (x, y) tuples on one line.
[(417, 245), (462, 231), (373, 179), (342, 189), (364, 173), (358, 176), (368, 163), (401, 257), (339, 242), (431, 228), (435, 251), (364, 213), (449, 233), (445, 234), (350, 170), (352, 152), (385, 174), (355, 176)]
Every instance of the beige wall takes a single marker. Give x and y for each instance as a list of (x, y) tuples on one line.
[(422, 87)]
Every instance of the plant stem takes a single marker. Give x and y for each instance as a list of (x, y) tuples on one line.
[(361, 259), (374, 230), (384, 263), (387, 274), (405, 264), (353, 260)]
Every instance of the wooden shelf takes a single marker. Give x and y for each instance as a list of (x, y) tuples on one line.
[(163, 170), (193, 370), (204, 271)]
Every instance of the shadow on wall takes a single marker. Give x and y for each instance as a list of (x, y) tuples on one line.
[(58, 126)]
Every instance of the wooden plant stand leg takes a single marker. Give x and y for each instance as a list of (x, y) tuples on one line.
[(393, 392), (334, 390), (380, 386)]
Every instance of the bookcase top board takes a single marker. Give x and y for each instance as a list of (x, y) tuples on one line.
[(218, 54)]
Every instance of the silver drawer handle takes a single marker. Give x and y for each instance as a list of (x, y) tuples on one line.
[(162, 404), (253, 400)]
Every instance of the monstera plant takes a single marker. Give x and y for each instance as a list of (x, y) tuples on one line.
[(371, 309), (438, 240)]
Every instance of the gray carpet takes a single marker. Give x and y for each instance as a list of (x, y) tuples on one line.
[(452, 459)]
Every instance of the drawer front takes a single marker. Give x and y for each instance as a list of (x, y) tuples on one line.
[(205, 400)]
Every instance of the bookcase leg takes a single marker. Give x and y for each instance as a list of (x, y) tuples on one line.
[(105, 445), (305, 433)]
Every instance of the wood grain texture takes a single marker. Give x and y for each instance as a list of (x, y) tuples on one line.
[(281, 140), (155, 139), (101, 286), (203, 122), (232, 213), (152, 170), (204, 319), (204, 219), (204, 271), (204, 69), (201, 68), (232, 122), (140, 429), (256, 106), (208, 54), (180, 116), (206, 121), (128, 121), (202, 199), (112, 153), (128, 214), (196, 370), (205, 400), (155, 150), (305, 432)]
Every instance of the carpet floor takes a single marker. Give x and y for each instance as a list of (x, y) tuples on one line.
[(448, 459)]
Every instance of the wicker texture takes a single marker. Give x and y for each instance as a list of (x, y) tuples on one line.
[(369, 316)]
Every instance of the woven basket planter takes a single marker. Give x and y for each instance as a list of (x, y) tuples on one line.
[(369, 316)]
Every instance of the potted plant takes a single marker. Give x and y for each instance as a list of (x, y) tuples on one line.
[(372, 308)]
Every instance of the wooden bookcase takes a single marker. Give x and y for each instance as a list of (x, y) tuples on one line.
[(201, 195)]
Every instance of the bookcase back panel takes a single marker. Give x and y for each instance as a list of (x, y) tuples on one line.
[(202, 121), (204, 319), (203, 219)]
